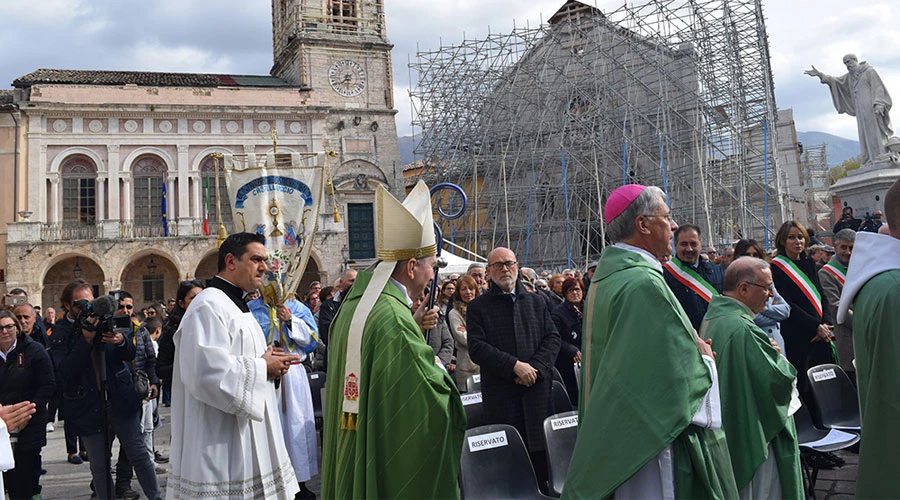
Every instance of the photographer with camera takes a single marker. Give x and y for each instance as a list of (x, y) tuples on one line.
[(99, 397), (847, 221)]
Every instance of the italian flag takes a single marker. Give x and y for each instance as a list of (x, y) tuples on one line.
[(689, 278)]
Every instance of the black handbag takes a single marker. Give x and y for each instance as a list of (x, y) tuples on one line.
[(141, 382)]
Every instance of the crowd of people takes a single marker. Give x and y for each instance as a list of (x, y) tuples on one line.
[(686, 368)]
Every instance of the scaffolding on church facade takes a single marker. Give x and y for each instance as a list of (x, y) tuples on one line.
[(817, 177), (538, 125)]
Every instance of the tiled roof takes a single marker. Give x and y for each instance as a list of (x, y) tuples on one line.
[(6, 97), (144, 78)]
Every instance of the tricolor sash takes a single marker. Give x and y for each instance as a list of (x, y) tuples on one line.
[(801, 280), (837, 270), (689, 278)]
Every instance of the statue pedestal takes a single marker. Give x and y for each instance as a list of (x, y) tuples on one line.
[(864, 188)]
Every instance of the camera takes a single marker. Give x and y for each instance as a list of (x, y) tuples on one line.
[(15, 300)]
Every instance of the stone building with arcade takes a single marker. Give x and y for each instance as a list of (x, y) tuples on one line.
[(86, 156)]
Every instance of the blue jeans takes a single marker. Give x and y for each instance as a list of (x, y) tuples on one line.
[(128, 430)]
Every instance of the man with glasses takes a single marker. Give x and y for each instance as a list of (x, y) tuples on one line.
[(693, 280), (756, 384), (648, 398), (512, 337)]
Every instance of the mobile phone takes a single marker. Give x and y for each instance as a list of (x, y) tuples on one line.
[(15, 300)]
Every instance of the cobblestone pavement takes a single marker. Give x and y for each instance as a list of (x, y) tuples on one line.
[(71, 482), (65, 481)]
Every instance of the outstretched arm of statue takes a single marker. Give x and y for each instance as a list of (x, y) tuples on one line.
[(815, 72)]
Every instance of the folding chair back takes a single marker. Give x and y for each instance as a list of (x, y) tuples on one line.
[(473, 382), (316, 383), (836, 399), (561, 400), (560, 431), (474, 407), (495, 464)]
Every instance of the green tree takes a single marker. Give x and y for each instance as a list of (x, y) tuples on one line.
[(840, 171)]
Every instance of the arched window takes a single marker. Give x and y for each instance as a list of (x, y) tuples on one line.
[(79, 191), (209, 197), (149, 174)]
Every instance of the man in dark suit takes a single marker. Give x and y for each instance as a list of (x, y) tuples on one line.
[(327, 310), (693, 280), (512, 337)]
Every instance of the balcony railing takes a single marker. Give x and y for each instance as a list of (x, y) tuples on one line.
[(62, 231)]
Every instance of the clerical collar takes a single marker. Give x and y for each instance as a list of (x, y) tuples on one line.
[(649, 257), (234, 292), (409, 301)]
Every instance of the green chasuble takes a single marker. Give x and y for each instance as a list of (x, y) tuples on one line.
[(755, 385), (876, 340), (411, 420), (642, 382)]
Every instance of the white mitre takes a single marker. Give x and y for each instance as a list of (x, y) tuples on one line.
[(402, 231)]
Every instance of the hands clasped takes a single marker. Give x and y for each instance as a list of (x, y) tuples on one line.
[(278, 362)]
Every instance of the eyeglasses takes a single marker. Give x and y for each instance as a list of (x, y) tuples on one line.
[(667, 217), (770, 287), (876, 216), (151, 312), (500, 265), (126, 306), (8, 328), (575, 290)]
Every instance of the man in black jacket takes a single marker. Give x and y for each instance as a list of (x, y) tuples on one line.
[(327, 310), (512, 337), (693, 280), (83, 408), (26, 374)]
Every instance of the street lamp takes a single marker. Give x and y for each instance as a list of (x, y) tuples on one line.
[(76, 271), (151, 266)]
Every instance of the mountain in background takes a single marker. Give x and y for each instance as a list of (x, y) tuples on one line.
[(837, 149), (407, 144)]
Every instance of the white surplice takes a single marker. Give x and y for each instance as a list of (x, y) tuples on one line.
[(226, 433), (294, 397)]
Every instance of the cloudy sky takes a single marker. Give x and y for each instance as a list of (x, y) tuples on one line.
[(234, 36)]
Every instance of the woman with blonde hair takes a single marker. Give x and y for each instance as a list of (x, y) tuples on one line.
[(466, 291)]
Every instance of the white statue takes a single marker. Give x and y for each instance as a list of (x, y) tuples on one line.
[(862, 94)]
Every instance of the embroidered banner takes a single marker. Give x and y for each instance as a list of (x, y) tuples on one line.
[(689, 278), (801, 280), (278, 196)]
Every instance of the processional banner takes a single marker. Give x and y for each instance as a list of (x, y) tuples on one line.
[(278, 195)]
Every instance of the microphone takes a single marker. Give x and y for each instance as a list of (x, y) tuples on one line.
[(104, 306)]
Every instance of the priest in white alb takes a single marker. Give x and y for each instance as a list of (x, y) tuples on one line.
[(226, 434)]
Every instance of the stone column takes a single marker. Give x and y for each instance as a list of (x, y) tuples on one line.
[(126, 200), (54, 200), (113, 167), (198, 195), (184, 207), (101, 199)]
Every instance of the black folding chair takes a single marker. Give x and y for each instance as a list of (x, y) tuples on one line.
[(495, 464), (835, 397), (473, 382), (561, 400), (813, 440), (316, 383), (474, 407), (560, 431)]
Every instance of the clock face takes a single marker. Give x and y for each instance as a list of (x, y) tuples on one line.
[(347, 78)]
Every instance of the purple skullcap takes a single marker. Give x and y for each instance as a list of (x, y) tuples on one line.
[(619, 200)]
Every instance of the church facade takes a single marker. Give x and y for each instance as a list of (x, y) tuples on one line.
[(95, 152)]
